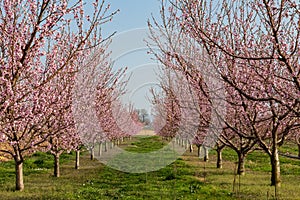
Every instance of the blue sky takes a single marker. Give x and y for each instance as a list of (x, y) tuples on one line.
[(129, 48), (133, 14)]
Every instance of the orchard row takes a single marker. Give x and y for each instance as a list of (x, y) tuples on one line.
[(55, 69), (230, 75)]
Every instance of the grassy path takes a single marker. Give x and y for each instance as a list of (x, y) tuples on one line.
[(255, 184), (187, 178)]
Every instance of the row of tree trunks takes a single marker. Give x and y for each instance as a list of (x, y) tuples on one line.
[(205, 152), (275, 173), (19, 169)]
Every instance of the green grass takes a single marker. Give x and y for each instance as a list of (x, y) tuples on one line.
[(187, 178), (144, 144)]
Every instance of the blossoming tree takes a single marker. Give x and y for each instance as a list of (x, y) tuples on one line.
[(38, 41)]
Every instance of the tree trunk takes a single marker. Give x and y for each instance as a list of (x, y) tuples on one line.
[(19, 173), (241, 164), (275, 163), (199, 151), (105, 146), (56, 165), (100, 149), (205, 154), (186, 144), (77, 159), (191, 148), (219, 159), (92, 153)]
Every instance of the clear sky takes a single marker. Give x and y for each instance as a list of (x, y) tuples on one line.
[(129, 48), (133, 14)]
